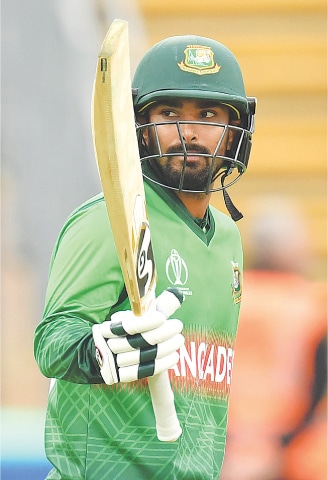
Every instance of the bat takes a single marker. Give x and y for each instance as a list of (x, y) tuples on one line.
[(119, 166)]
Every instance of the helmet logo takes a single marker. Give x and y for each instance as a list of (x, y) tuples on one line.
[(199, 60)]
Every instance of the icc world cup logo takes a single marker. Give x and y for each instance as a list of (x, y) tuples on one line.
[(176, 269)]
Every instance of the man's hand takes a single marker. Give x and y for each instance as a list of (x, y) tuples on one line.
[(129, 347)]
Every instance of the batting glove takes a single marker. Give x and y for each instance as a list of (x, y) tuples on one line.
[(130, 347)]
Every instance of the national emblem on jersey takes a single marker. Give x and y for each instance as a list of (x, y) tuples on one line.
[(237, 283), (199, 60)]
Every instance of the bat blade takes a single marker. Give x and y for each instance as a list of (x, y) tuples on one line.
[(119, 166), (120, 169)]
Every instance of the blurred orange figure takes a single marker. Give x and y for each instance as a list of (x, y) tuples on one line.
[(273, 431), (305, 453)]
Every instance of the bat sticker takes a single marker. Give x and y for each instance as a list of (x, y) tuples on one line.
[(145, 261)]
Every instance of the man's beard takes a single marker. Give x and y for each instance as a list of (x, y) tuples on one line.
[(195, 177)]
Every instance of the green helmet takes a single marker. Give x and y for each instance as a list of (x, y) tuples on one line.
[(190, 67), (196, 67)]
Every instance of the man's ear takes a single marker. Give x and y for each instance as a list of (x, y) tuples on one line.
[(145, 135), (231, 132), (142, 120)]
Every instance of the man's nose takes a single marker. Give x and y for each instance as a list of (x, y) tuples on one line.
[(189, 132)]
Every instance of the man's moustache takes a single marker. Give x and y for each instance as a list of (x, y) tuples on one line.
[(189, 149)]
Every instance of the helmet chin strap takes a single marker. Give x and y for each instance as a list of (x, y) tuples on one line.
[(234, 212)]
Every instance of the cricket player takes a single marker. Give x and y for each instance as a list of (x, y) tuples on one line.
[(194, 128)]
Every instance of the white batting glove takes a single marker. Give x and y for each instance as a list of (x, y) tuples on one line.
[(129, 347)]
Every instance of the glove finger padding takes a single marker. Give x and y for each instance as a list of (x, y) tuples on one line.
[(143, 370), (126, 323), (151, 353), (145, 339)]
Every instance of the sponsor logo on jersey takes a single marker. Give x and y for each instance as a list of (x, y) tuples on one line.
[(177, 271), (237, 283), (204, 367), (199, 59)]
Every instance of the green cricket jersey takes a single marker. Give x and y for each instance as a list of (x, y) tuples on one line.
[(101, 432)]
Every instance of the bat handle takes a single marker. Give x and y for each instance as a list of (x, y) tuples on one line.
[(167, 423)]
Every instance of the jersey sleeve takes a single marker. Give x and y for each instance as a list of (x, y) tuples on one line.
[(85, 281)]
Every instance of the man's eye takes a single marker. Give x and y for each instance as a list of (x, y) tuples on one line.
[(207, 114), (168, 113)]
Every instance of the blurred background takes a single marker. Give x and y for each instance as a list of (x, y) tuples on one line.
[(277, 421)]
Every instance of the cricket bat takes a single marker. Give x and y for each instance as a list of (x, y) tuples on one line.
[(117, 154)]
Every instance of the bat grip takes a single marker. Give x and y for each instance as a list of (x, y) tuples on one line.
[(167, 422)]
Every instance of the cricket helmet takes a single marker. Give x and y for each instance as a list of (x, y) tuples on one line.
[(196, 67)]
